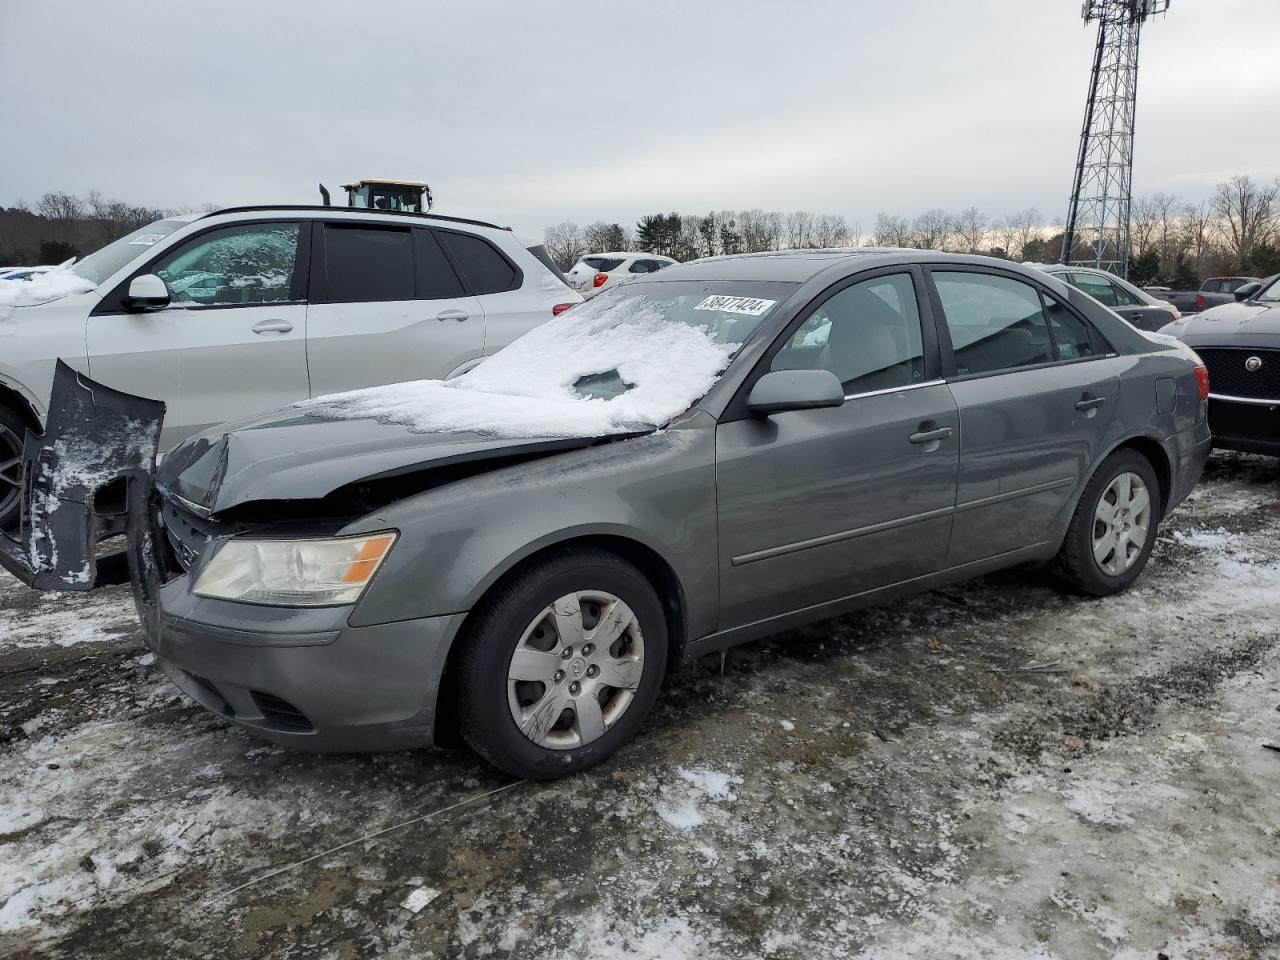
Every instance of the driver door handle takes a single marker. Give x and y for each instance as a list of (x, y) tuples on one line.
[(929, 436), (452, 315), (272, 326), (1090, 403)]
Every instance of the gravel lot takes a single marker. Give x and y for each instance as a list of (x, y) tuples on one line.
[(990, 771)]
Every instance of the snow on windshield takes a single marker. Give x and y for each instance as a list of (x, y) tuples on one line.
[(41, 288), (527, 389)]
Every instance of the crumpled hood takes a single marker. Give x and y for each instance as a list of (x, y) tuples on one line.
[(1231, 322), (292, 455)]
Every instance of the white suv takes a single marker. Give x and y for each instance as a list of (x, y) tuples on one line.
[(600, 271), (236, 312)]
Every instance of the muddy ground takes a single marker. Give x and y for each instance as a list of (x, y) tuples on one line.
[(990, 771)]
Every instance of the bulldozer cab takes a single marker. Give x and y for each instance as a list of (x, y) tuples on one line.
[(404, 195)]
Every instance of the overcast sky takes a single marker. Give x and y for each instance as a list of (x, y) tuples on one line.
[(529, 113)]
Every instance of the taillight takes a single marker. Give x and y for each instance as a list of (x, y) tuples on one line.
[(599, 280), (560, 308), (1202, 378), (1199, 301)]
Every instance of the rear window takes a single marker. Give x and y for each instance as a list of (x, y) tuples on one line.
[(602, 264), (485, 269), (364, 264), (540, 254)]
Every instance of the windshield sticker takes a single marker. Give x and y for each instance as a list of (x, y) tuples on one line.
[(147, 239), (747, 306)]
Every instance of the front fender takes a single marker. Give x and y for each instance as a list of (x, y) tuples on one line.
[(457, 541)]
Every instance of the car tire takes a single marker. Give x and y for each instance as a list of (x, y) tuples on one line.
[(529, 671), (13, 433), (1120, 504)]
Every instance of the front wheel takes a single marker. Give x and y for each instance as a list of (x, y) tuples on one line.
[(1113, 529), (13, 432), (562, 665)]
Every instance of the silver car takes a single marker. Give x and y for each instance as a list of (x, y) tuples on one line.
[(697, 459), (244, 310)]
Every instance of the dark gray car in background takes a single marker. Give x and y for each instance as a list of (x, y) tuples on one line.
[(885, 422)]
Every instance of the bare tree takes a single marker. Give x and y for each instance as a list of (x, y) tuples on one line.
[(971, 230), (799, 229), (1019, 229), (830, 230), (566, 244), (601, 236), (1142, 225), (1167, 235), (891, 231), (1197, 235), (931, 230), (1246, 214), (64, 210)]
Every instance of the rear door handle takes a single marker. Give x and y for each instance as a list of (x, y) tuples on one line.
[(929, 436), (272, 326), (452, 315), (1090, 403)]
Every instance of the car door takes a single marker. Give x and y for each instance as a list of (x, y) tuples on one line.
[(231, 342), (387, 306), (511, 308), (1125, 302), (1035, 392), (818, 505)]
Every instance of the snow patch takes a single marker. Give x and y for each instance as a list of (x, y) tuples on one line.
[(41, 288), (527, 388)]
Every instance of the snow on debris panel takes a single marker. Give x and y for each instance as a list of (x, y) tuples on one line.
[(609, 366)]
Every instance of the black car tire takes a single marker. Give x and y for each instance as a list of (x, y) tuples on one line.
[(1075, 566), (13, 433), (484, 716)]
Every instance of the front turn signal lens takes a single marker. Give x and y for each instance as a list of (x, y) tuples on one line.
[(294, 573)]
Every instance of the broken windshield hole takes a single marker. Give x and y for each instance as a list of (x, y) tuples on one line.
[(602, 386)]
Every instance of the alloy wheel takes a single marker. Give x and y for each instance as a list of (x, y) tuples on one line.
[(1121, 523), (575, 670), (10, 470)]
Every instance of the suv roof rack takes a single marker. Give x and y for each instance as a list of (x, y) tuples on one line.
[(250, 208)]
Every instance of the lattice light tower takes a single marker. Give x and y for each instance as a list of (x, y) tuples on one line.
[(1097, 232)]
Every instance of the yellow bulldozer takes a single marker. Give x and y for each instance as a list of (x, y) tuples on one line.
[(409, 196)]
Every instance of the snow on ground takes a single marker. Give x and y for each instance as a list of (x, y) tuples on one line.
[(994, 771), (527, 389)]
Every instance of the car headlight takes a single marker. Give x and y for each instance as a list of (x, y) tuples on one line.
[(294, 573)]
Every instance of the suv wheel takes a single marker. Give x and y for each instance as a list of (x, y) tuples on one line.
[(13, 431), (562, 665), (1113, 529)]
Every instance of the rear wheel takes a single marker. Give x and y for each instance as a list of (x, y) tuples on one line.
[(562, 665), (1114, 527), (13, 431)]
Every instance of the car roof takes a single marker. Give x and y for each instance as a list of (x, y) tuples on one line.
[(320, 210), (628, 255)]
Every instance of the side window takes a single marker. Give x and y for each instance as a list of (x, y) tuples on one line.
[(868, 335), (1123, 297), (995, 323), (485, 269), (1096, 287), (234, 266), (644, 266), (364, 264), (1070, 334), (436, 279)]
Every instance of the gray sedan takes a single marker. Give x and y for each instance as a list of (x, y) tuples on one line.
[(693, 460)]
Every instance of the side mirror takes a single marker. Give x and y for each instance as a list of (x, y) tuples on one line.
[(147, 292), (1246, 290), (784, 390)]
